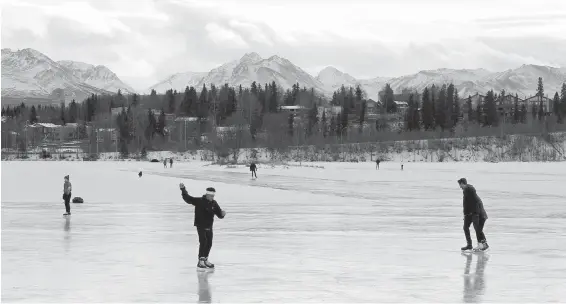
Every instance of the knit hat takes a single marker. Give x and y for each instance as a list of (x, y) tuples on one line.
[(210, 191), (66, 177), (462, 181)]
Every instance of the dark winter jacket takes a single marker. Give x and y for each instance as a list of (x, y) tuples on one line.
[(253, 167), (473, 203), (204, 209)]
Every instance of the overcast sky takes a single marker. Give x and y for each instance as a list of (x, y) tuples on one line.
[(145, 41)]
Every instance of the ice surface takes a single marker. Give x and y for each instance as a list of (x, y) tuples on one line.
[(345, 233)]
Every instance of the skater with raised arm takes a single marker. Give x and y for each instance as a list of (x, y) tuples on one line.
[(205, 209), (474, 213), (253, 168), (67, 188)]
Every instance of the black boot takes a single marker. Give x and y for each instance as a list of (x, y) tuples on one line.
[(467, 247)]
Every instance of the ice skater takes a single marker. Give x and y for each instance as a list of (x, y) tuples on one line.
[(165, 163), (170, 163), (474, 213), (377, 161), (402, 163), (67, 188), (205, 209), (253, 168)]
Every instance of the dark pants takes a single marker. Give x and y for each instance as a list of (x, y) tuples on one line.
[(205, 241), (67, 198), (253, 173), (478, 227)]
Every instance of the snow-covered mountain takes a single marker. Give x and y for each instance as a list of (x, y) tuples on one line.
[(178, 82), (30, 73), (97, 76), (252, 67)]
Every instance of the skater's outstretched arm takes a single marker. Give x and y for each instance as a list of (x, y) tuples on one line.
[(186, 197)]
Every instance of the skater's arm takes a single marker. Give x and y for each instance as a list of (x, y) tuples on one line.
[(187, 198), (218, 211)]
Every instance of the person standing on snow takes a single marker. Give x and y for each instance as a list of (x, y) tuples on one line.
[(67, 188), (253, 168), (170, 163), (205, 209), (377, 161), (165, 163), (474, 212)]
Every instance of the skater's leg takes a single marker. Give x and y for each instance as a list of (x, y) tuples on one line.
[(203, 243), (478, 227), (67, 203), (467, 223), (479, 230), (209, 236)]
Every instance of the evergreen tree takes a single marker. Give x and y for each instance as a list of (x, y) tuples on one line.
[(171, 102), (540, 89), (480, 114), (62, 114), (428, 118), (203, 107), (440, 118), (324, 124), (457, 111), (389, 102), (32, 115), (491, 109), (556, 107), (312, 119), (344, 120), (516, 111), (151, 127), (523, 113), (273, 105), (449, 107), (362, 115)]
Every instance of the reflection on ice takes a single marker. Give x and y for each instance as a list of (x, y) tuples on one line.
[(204, 293), (474, 284)]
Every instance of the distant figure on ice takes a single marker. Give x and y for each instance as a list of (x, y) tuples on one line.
[(170, 163), (473, 213), (67, 188), (165, 163), (253, 168), (402, 165), (205, 209), (377, 161), (140, 174)]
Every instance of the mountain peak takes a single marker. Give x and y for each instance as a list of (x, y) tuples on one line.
[(251, 57)]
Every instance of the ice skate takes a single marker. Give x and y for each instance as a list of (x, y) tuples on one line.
[(208, 264), (479, 247), (201, 264), (485, 246), (467, 247)]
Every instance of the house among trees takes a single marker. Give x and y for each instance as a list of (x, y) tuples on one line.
[(534, 102)]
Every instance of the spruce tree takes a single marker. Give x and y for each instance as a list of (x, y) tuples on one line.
[(428, 118)]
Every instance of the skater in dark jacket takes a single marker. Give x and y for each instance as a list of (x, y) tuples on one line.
[(205, 209), (377, 161), (170, 163), (253, 168), (67, 188), (474, 213)]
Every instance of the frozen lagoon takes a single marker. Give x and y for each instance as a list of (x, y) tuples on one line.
[(345, 233)]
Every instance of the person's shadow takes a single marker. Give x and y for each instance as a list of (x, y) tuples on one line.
[(474, 284), (204, 292)]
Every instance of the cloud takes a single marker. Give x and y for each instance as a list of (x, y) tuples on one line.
[(145, 41), (224, 37)]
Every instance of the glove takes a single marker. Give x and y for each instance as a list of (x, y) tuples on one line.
[(223, 213), (181, 186)]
